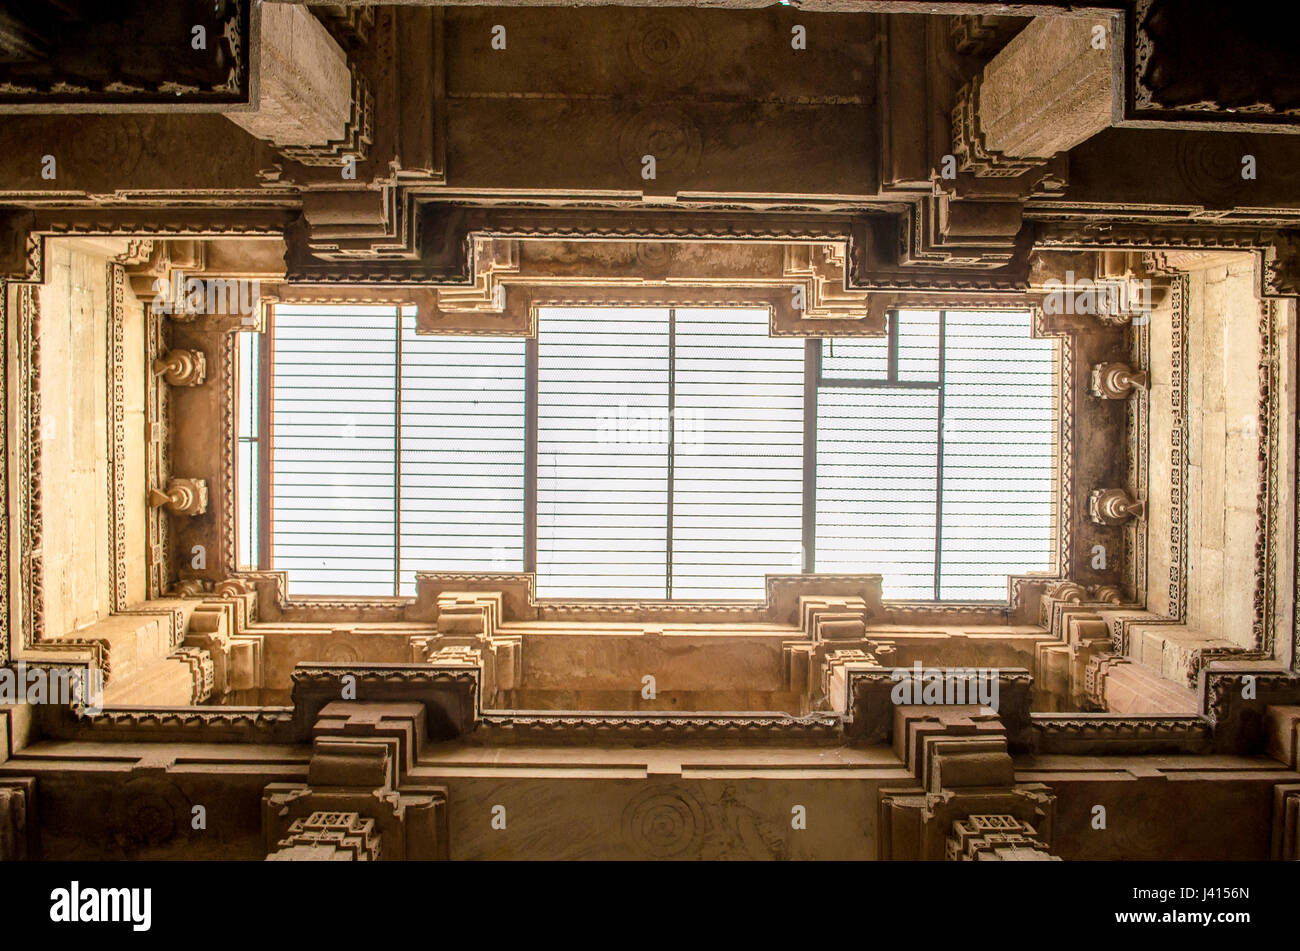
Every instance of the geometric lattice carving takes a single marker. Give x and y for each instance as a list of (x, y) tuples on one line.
[(329, 837), (998, 838)]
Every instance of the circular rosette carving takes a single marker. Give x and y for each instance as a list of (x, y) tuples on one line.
[(667, 48), (1209, 164), (147, 813), (664, 823), (339, 651), (668, 134)]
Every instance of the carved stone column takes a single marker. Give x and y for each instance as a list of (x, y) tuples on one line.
[(309, 103), (1048, 90)]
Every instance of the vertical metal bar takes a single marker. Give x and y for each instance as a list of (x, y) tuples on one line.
[(672, 431), (938, 468), (397, 454), (265, 415), (892, 348), (530, 454), (811, 374)]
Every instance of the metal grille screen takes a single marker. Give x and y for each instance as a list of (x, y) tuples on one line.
[(935, 455), (348, 518), (668, 453)]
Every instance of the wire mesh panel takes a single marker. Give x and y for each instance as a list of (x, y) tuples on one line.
[(662, 451), (737, 497), (935, 455), (602, 452), (334, 451), (877, 453), (462, 454), (999, 434)]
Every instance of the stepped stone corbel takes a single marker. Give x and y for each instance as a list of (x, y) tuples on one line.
[(1116, 381), (182, 367), (1110, 287), (202, 669), (962, 769), (1062, 666), (1114, 507), (821, 271), (360, 775), (183, 497), (219, 627), (1279, 272), (467, 623)]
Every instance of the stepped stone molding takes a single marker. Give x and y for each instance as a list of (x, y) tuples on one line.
[(19, 828)]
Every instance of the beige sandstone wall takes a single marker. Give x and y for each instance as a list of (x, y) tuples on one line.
[(1223, 446), (74, 461)]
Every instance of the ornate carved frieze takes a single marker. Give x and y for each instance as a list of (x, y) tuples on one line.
[(873, 708), (1101, 733), (588, 728), (1237, 694), (29, 486)]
